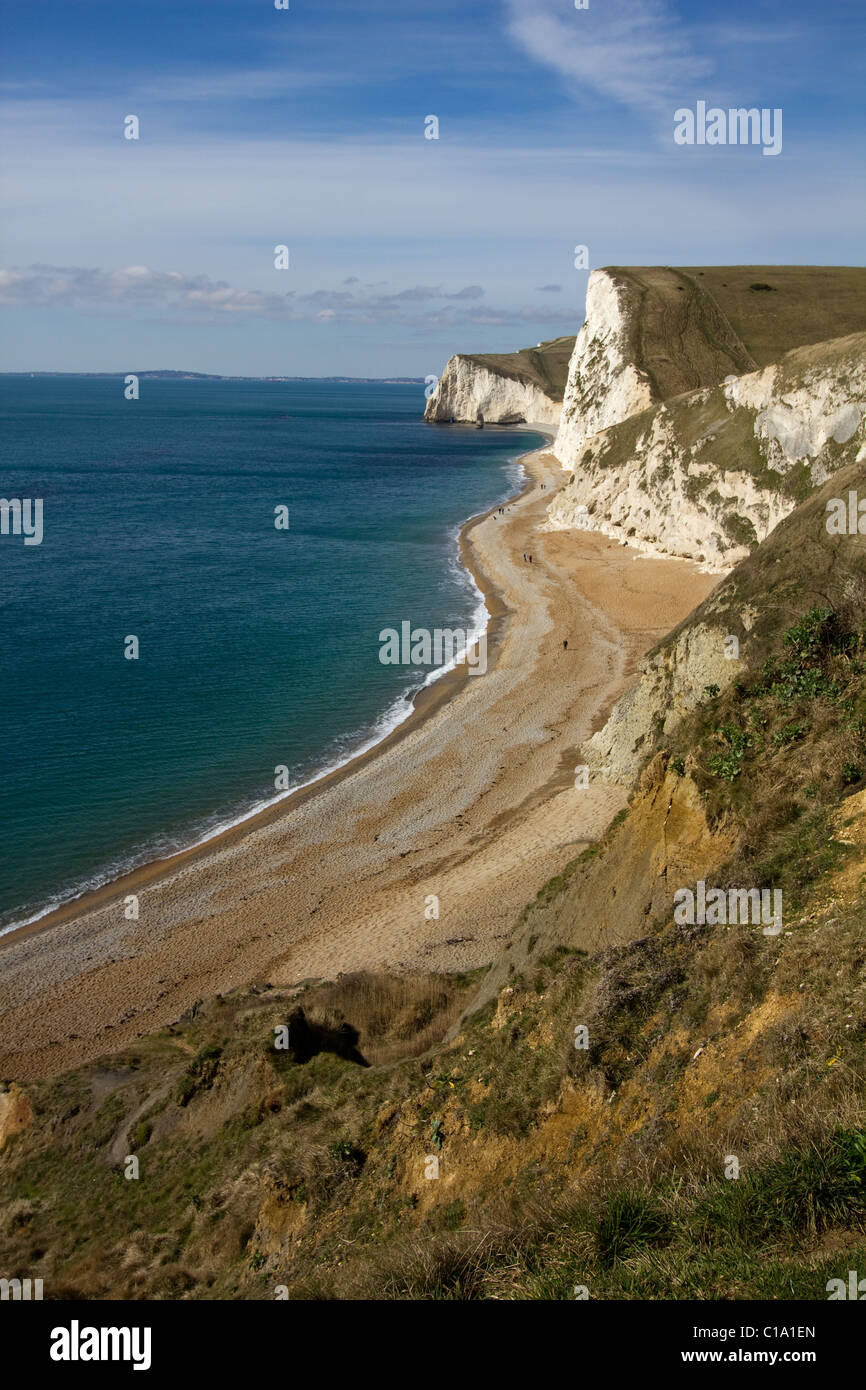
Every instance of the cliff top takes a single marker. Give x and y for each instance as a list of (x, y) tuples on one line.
[(774, 308), (545, 366), (692, 326)]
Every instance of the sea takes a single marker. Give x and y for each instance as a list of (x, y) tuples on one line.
[(257, 666)]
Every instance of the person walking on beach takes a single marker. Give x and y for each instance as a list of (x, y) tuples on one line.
[(565, 645), (530, 559)]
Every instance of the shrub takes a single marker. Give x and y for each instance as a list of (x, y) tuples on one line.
[(141, 1134), (345, 1152), (728, 763)]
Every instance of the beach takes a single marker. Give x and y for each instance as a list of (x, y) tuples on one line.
[(418, 855)]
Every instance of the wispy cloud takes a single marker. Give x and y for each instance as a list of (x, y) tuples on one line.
[(786, 32), (633, 51), (249, 84), (138, 287)]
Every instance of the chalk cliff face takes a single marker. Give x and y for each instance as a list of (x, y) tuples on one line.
[(605, 385), (806, 404), (651, 333), (707, 475), (466, 389)]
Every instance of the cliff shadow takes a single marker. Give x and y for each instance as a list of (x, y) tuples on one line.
[(308, 1038)]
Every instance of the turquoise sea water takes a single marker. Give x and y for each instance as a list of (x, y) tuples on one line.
[(258, 647)]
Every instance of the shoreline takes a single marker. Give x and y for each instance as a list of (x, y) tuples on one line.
[(470, 799), (422, 703)]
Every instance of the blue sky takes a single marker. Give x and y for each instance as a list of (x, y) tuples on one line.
[(305, 127)]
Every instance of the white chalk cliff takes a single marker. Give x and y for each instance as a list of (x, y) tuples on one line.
[(504, 388), (604, 383), (466, 389), (676, 441), (707, 475)]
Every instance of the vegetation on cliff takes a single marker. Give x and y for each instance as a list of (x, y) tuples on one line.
[(606, 1166)]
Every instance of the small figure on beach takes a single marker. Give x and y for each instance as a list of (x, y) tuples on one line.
[(565, 644), (530, 559), (524, 557)]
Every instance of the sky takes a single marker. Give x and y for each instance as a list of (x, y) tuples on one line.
[(305, 127)]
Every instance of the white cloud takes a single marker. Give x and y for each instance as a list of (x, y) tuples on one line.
[(375, 216), (634, 51), (137, 287)]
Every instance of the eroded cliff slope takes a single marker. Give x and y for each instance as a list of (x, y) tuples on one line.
[(802, 566)]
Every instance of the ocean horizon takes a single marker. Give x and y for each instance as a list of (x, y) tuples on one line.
[(258, 647)]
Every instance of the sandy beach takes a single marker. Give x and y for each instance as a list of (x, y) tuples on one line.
[(472, 801)]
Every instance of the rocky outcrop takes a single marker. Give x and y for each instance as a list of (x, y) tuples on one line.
[(16, 1112), (672, 681), (709, 474), (813, 399)]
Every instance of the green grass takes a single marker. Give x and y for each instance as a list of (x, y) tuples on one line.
[(630, 1222), (808, 1190), (755, 1237), (809, 305), (545, 366)]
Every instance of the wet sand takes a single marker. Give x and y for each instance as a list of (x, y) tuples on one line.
[(465, 810)]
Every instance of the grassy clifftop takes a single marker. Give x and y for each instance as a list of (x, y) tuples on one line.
[(774, 308), (690, 327), (544, 366)]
